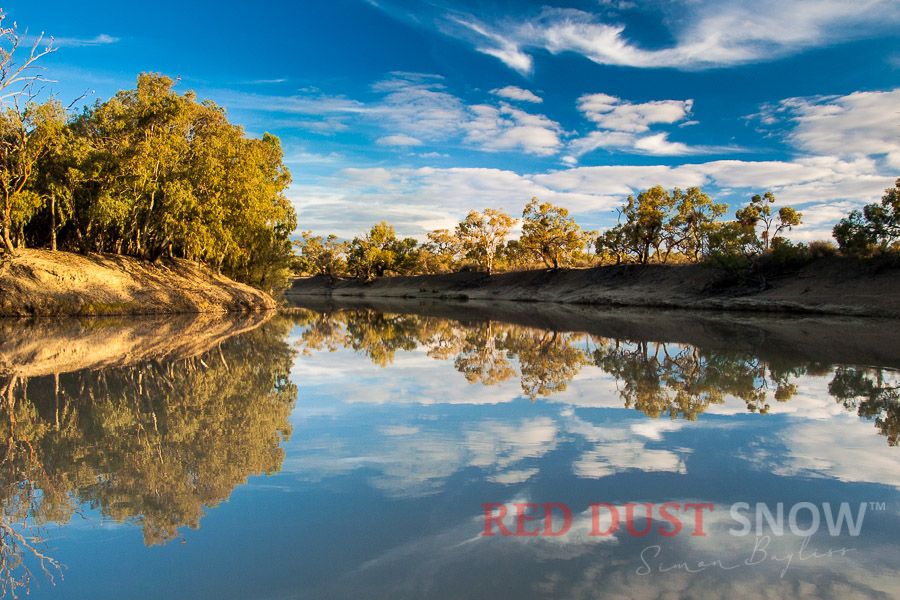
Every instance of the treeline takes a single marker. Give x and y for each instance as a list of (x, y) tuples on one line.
[(655, 226), (149, 173)]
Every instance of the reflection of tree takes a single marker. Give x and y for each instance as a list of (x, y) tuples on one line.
[(548, 360), (657, 378), (154, 442), (379, 336), (677, 380), (871, 395), (481, 356), (28, 495)]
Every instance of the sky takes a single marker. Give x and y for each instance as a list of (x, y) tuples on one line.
[(417, 111)]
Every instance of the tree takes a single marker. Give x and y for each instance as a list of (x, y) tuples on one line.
[(482, 235), (733, 245), (150, 173), (612, 245), (441, 253), (645, 220), (26, 137), (758, 214), (695, 218), (15, 75), (549, 233), (321, 255), (380, 252), (875, 226)]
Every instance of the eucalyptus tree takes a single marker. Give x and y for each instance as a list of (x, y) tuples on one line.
[(876, 226), (551, 235), (482, 236)]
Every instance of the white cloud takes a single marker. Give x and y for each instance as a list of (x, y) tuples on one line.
[(508, 128), (419, 199), (623, 126), (512, 92), (707, 33), (398, 140), (102, 39), (500, 47), (610, 112), (862, 123)]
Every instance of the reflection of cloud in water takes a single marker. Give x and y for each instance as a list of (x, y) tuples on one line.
[(579, 566), (618, 448), (415, 465), (859, 456)]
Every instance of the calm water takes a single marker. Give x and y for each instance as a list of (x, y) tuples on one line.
[(348, 452)]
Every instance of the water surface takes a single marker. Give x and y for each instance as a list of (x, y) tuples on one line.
[(348, 452)]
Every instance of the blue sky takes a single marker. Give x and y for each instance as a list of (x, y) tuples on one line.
[(417, 111)]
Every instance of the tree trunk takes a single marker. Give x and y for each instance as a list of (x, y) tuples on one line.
[(53, 223), (7, 242)]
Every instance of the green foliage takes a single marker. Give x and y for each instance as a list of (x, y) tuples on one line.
[(735, 245), (149, 173), (732, 245), (380, 253), (551, 235), (657, 225), (442, 252), (875, 227), (321, 255), (482, 236), (27, 137), (758, 214)]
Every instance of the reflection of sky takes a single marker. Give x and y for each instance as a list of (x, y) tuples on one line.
[(381, 489)]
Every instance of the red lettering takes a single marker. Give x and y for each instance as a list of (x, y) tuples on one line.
[(595, 519), (522, 517), (629, 519), (490, 519), (667, 516), (698, 516), (548, 519)]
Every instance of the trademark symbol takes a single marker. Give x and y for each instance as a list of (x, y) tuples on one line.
[(877, 506)]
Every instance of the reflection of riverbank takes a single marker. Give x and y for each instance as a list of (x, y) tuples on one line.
[(186, 412), (657, 376), (816, 339), (30, 348)]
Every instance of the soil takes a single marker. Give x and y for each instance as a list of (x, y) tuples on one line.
[(43, 283)]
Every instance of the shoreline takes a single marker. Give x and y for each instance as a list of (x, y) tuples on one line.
[(41, 283), (828, 286)]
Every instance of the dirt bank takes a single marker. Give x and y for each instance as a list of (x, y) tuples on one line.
[(40, 283), (826, 286)]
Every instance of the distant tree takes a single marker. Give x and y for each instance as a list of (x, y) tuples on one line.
[(321, 255), (875, 226), (482, 235), (380, 252), (612, 245), (695, 218), (550, 234), (645, 221), (733, 244), (759, 214), (440, 253)]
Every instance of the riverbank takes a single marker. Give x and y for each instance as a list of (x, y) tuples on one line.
[(835, 286), (44, 283)]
